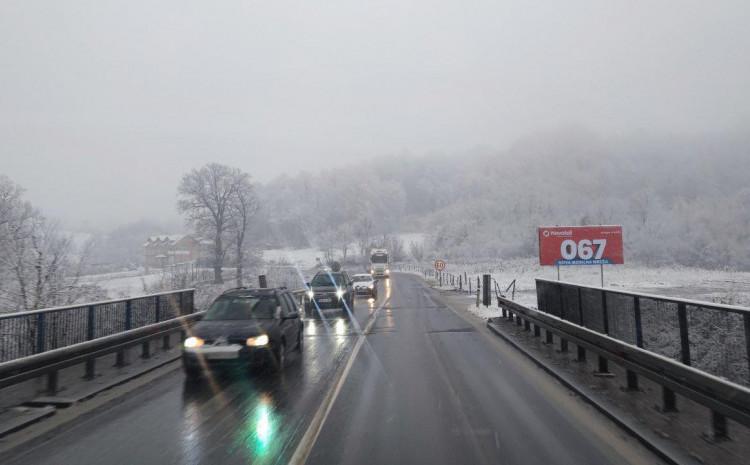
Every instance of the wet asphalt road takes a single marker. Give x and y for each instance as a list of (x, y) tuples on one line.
[(426, 387)]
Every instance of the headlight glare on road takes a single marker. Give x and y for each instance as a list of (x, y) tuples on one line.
[(257, 341), (340, 293), (193, 342), (310, 293)]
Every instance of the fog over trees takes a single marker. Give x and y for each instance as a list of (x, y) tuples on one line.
[(681, 200)]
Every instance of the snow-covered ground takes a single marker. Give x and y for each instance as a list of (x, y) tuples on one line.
[(676, 281), (124, 283), (304, 258)]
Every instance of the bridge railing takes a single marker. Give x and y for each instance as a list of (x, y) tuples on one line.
[(24, 334), (724, 398), (711, 337)]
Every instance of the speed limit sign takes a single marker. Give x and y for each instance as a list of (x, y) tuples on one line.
[(439, 265)]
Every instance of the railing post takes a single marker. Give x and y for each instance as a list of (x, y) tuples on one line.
[(605, 317), (630, 375), (90, 334), (563, 345), (719, 428), (632, 380), (669, 400), (52, 382), (526, 325), (548, 337), (537, 331), (684, 340), (146, 349), (581, 354), (157, 310), (41, 337), (746, 317), (121, 359)]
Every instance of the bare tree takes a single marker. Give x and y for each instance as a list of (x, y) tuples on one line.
[(416, 250), (363, 233), (206, 196), (243, 206)]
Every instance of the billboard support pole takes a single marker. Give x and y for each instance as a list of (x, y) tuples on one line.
[(601, 270), (558, 271)]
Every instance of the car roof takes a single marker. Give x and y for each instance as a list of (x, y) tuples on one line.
[(253, 292)]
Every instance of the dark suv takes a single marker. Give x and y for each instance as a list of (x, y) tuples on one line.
[(244, 326), (329, 289)]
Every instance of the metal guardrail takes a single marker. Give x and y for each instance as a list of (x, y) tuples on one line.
[(724, 398), (50, 362), (714, 338), (28, 333)]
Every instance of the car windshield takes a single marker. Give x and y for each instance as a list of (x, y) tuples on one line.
[(324, 279), (379, 258), (241, 308), (361, 277)]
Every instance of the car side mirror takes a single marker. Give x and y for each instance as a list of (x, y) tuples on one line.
[(277, 313)]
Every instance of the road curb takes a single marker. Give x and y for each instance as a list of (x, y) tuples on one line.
[(650, 440)]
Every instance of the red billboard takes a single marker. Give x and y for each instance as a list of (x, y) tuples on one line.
[(580, 245)]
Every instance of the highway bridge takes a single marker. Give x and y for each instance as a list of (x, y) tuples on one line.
[(408, 378)]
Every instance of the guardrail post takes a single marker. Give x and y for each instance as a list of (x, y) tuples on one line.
[(580, 307), (537, 331), (548, 335), (90, 334), (526, 325), (668, 400), (563, 345), (121, 359), (40, 333), (719, 429), (632, 380), (146, 349), (166, 342), (581, 354), (460, 283), (603, 367), (684, 340), (157, 310), (746, 317), (52, 382)]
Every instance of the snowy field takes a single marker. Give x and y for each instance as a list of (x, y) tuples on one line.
[(732, 287), (123, 284)]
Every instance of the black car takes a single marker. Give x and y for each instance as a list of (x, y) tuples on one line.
[(329, 289), (244, 327)]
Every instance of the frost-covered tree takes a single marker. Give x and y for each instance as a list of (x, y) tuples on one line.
[(208, 198)]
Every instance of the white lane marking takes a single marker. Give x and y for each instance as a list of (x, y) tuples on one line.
[(316, 425)]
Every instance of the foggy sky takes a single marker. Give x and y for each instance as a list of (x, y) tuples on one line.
[(103, 105)]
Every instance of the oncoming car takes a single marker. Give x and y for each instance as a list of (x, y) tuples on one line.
[(329, 289), (244, 327), (365, 284)]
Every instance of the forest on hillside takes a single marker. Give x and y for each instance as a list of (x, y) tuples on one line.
[(681, 200)]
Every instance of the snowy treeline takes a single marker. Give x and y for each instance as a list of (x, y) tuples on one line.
[(680, 200), (40, 266)]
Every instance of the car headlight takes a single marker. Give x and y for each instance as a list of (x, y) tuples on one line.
[(310, 293), (193, 342), (371, 286), (387, 271), (257, 341), (340, 293)]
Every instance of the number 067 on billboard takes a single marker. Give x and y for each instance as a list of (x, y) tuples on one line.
[(580, 245)]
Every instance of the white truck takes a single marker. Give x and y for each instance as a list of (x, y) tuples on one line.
[(379, 263)]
